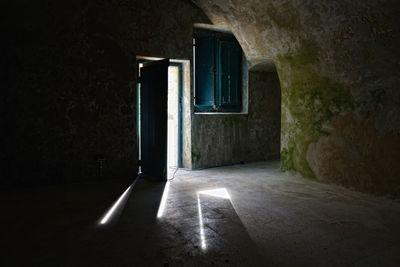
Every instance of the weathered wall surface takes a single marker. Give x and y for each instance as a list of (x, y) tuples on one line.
[(223, 139), (68, 82), (338, 64)]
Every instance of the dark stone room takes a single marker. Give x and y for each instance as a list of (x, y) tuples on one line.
[(200, 133)]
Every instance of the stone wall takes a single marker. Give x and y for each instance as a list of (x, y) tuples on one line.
[(68, 82), (338, 65), (224, 139)]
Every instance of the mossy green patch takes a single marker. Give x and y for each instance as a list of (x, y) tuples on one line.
[(309, 102), (287, 159)]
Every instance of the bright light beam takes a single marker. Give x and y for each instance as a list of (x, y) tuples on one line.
[(202, 237), (164, 197), (116, 204), (219, 193)]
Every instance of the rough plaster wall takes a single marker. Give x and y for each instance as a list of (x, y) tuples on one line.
[(186, 117), (68, 82), (264, 122), (338, 64), (223, 139)]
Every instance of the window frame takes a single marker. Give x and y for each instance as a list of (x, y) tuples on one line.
[(217, 90)]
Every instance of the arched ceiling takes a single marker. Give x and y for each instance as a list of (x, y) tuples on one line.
[(343, 35)]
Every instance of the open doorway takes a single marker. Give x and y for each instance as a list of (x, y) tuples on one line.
[(174, 140), (173, 158)]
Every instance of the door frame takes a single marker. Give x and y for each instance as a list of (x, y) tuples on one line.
[(180, 108)]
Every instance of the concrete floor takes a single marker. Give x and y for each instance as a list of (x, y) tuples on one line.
[(258, 216)]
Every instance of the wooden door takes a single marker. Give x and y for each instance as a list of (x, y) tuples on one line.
[(153, 114)]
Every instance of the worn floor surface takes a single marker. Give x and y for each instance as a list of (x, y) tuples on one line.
[(243, 215)]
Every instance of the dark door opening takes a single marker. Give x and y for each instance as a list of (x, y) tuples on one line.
[(159, 118)]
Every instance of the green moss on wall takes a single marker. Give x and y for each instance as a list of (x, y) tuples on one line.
[(287, 159), (309, 101)]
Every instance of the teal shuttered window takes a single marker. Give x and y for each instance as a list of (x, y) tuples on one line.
[(217, 73)]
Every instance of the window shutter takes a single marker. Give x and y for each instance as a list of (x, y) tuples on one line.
[(228, 82), (205, 72)]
